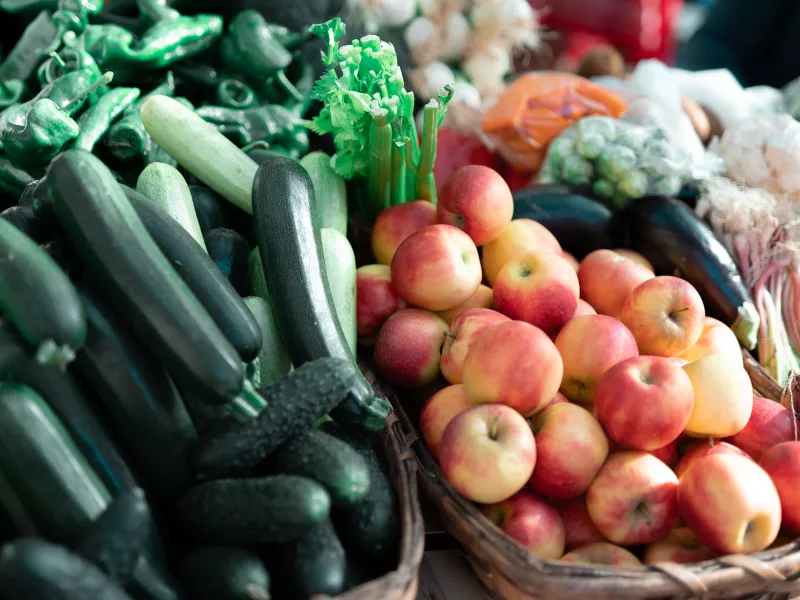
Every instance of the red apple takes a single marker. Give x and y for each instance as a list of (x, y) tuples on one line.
[(409, 347), (571, 447), (730, 503), (703, 448), (636, 257), (398, 222), (376, 301), (482, 298), (607, 279), (531, 522), (770, 424), (602, 553), (665, 315), (589, 346), (584, 308), (513, 363), (436, 268), (680, 546), (578, 527), (519, 238), (667, 454), (487, 453), (557, 399), (782, 464), (716, 338), (571, 260), (439, 410), (476, 199), (644, 402), (633, 500), (723, 397), (463, 332)]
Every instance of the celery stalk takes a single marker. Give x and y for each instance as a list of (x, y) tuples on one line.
[(380, 170), (426, 185), (399, 175)]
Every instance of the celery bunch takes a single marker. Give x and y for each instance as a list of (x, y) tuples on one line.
[(371, 116)]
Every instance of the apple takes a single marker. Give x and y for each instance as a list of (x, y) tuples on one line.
[(571, 448), (602, 553), (578, 527), (665, 315), (439, 410), (607, 279), (573, 262), (482, 298), (539, 288), (520, 237), (633, 499), (584, 308), (680, 546), (644, 402), (436, 268), (723, 397), (530, 521), (782, 464), (513, 363), (487, 453), (476, 199), (770, 424), (703, 448), (589, 346), (376, 301), (557, 399), (667, 454), (463, 332), (409, 347), (637, 258), (715, 338), (398, 222), (730, 503)]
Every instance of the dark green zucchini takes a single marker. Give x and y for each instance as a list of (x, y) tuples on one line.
[(224, 573), (34, 569), (61, 251), (230, 252), (676, 241), (38, 298), (110, 237), (289, 241), (211, 209), (24, 219), (260, 510), (15, 518)]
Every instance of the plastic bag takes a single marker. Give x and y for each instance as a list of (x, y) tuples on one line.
[(538, 107)]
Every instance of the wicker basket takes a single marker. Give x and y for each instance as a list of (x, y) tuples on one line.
[(510, 572)]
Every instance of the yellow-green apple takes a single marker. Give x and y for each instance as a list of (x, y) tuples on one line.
[(436, 268), (530, 521), (607, 279), (539, 288), (513, 363), (636, 257), (633, 500), (723, 397), (715, 338), (398, 222), (376, 301), (782, 464), (482, 298), (644, 402), (578, 527), (602, 553), (680, 546), (589, 346), (409, 347), (520, 237), (439, 410), (665, 315), (570, 450), (730, 503), (478, 200), (487, 453), (573, 262), (463, 332), (770, 424), (584, 308), (667, 454), (703, 448)]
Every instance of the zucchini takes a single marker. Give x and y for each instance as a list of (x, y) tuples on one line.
[(212, 211), (260, 510), (61, 251), (676, 241), (35, 569), (230, 252), (38, 298), (224, 573), (340, 270), (258, 283), (294, 402), (330, 191), (290, 243), (24, 219), (110, 237), (273, 362), (167, 189), (15, 518)]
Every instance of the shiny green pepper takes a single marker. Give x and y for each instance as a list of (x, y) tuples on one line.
[(157, 10), (13, 179), (95, 122), (19, 67), (232, 93), (270, 123), (46, 130), (22, 6), (71, 58), (250, 48), (72, 15)]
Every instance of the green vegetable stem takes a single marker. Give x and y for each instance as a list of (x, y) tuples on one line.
[(72, 15)]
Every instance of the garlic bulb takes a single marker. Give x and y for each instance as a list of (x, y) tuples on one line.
[(467, 94), (396, 13), (428, 81), (456, 36), (487, 69), (421, 39)]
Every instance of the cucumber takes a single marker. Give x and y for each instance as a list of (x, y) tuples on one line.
[(24, 219), (294, 402), (107, 233), (167, 189), (330, 191), (273, 361), (38, 298), (262, 510), (290, 245), (35, 569), (340, 269), (327, 460), (116, 540), (230, 252), (224, 573), (258, 283)]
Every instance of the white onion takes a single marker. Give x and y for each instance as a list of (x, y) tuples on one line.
[(396, 13), (436, 76), (456, 37), (467, 94), (429, 8), (487, 69), (418, 32)]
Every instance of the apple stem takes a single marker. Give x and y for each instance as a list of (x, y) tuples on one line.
[(710, 442), (450, 335), (493, 430), (680, 310)]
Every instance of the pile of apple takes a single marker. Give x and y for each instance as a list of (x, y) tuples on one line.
[(591, 406)]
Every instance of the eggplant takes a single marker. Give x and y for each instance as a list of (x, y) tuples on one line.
[(677, 242)]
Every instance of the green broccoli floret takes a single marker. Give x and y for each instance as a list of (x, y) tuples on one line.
[(615, 162)]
